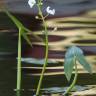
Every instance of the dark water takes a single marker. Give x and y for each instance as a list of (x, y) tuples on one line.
[(75, 22)]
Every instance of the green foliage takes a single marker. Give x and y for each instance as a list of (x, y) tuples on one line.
[(26, 37), (84, 63), (22, 27), (14, 19), (19, 25), (68, 67), (72, 55), (22, 32)]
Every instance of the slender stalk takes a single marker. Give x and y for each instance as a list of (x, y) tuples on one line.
[(18, 93), (46, 52), (19, 62), (75, 79)]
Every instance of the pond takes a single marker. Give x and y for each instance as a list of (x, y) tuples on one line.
[(73, 24)]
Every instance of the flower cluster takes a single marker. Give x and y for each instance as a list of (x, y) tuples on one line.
[(48, 10)]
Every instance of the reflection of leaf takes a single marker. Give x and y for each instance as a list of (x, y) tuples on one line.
[(37, 61), (68, 67), (54, 90), (63, 89), (84, 63), (79, 88)]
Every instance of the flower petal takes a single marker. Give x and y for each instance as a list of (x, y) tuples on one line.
[(50, 11), (31, 3)]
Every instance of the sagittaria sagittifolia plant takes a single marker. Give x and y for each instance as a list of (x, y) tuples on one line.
[(72, 56)]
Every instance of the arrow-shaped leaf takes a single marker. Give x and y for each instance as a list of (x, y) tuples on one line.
[(14, 19), (73, 51), (34, 34), (84, 63), (19, 24), (77, 53), (68, 67), (25, 36)]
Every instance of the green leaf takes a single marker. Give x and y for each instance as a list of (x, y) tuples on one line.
[(20, 25), (35, 35), (73, 51), (14, 19), (68, 67), (25, 36), (77, 54), (84, 63)]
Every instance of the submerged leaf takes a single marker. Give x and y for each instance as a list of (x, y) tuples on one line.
[(84, 63), (68, 67)]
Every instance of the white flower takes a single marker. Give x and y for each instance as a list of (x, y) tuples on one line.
[(31, 3), (49, 11)]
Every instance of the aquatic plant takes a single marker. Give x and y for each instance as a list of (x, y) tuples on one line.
[(73, 55), (42, 17), (22, 32)]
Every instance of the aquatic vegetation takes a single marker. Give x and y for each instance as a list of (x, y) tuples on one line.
[(22, 32), (73, 55), (21, 29), (42, 17)]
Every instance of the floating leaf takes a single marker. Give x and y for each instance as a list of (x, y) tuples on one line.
[(68, 67), (84, 63)]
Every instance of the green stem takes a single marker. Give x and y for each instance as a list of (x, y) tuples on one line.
[(17, 93), (75, 79), (19, 62), (46, 52)]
